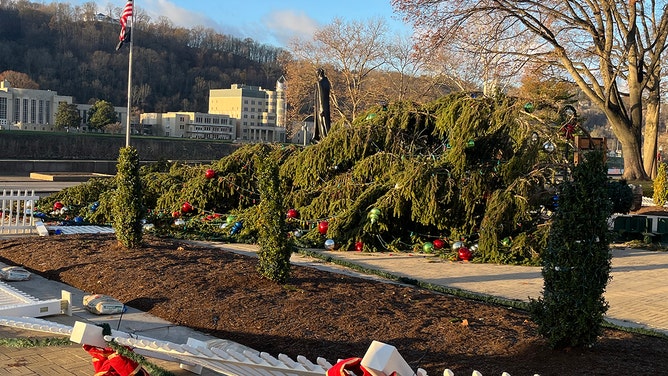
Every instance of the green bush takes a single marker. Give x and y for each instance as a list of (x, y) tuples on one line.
[(127, 208), (621, 196), (660, 185), (275, 249), (576, 263)]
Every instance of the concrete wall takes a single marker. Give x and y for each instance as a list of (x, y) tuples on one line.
[(25, 152)]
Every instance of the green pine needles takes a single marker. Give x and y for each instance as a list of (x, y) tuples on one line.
[(464, 165), (127, 204), (275, 249), (576, 263)]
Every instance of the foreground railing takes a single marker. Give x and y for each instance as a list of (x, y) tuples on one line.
[(16, 212), (380, 360)]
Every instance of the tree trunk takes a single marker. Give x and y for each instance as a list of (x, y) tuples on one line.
[(651, 133), (633, 167), (652, 118)]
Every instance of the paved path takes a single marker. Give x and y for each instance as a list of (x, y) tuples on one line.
[(42, 188)]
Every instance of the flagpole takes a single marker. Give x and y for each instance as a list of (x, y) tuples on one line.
[(128, 122)]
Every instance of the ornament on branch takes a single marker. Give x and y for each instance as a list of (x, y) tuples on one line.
[(236, 228), (359, 246), (186, 207), (464, 254), (323, 226), (292, 214), (428, 247)]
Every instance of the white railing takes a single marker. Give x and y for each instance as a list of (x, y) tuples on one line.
[(380, 359), (16, 212)]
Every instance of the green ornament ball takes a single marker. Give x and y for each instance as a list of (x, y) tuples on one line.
[(428, 247), (529, 107)]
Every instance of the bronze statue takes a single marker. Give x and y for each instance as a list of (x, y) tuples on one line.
[(322, 116)]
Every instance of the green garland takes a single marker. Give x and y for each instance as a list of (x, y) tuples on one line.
[(34, 342)]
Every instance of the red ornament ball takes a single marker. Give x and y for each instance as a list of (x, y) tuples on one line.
[(58, 205), (464, 254), (439, 243), (292, 213), (209, 174), (176, 214), (322, 227), (359, 246), (186, 207)]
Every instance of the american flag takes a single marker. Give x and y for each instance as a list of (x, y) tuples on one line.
[(127, 13)]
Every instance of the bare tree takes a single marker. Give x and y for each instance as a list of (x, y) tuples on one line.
[(354, 50), (402, 59), (611, 49)]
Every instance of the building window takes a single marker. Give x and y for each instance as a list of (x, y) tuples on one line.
[(25, 111), (17, 110), (3, 108), (40, 113), (48, 112), (245, 101), (33, 111)]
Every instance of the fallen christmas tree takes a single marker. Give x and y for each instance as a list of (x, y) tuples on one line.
[(463, 170)]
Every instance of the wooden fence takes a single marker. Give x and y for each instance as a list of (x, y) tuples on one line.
[(16, 215)]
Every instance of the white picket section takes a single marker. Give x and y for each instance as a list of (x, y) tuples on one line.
[(38, 325), (226, 361), (17, 212), (14, 302)]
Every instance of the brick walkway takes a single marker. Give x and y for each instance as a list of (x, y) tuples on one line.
[(69, 360)]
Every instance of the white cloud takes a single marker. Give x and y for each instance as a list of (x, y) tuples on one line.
[(287, 24), (178, 15), (277, 27)]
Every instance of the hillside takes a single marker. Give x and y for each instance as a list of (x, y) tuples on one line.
[(173, 68)]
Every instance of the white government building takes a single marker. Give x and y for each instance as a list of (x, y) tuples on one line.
[(242, 113), (35, 110)]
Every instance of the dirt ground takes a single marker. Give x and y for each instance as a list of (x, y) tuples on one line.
[(319, 313)]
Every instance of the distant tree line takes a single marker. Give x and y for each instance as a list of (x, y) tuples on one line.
[(64, 48)]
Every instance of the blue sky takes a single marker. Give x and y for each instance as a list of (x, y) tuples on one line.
[(266, 21)]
